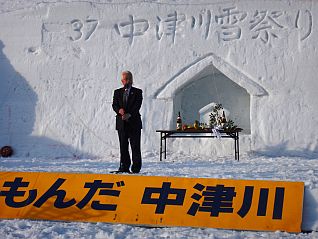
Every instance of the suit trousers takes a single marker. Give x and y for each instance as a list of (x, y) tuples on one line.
[(133, 137)]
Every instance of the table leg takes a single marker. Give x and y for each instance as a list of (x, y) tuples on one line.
[(238, 146), (235, 147), (160, 146), (165, 146)]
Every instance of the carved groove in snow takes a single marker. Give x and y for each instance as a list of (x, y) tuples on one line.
[(188, 73)]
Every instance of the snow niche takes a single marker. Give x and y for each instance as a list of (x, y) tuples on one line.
[(208, 86), (211, 79)]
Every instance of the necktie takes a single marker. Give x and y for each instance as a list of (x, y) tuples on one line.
[(125, 97)]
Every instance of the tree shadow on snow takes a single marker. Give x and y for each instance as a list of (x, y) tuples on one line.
[(17, 117)]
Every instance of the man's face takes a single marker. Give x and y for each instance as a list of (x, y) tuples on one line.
[(124, 79)]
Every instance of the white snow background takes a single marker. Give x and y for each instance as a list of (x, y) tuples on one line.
[(55, 101)]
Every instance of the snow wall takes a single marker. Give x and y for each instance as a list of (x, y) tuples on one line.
[(61, 60)]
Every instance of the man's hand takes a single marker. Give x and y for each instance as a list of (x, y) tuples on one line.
[(126, 116), (121, 111)]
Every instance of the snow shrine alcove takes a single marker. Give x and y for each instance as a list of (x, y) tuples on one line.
[(211, 86), (210, 80)]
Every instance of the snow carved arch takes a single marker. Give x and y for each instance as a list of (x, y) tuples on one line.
[(206, 80)]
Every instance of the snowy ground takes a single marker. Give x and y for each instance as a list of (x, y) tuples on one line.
[(249, 167)]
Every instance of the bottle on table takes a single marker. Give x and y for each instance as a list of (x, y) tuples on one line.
[(179, 122), (223, 119)]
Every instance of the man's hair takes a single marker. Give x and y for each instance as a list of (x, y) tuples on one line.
[(129, 75)]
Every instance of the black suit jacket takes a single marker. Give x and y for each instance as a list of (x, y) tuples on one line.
[(133, 106)]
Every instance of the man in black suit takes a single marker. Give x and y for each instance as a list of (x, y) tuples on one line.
[(126, 103)]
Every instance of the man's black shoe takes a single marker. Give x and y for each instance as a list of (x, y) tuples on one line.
[(120, 171)]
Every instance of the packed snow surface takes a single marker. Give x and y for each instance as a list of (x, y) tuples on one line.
[(250, 166)]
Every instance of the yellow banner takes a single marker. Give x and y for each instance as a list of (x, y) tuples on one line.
[(152, 200)]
